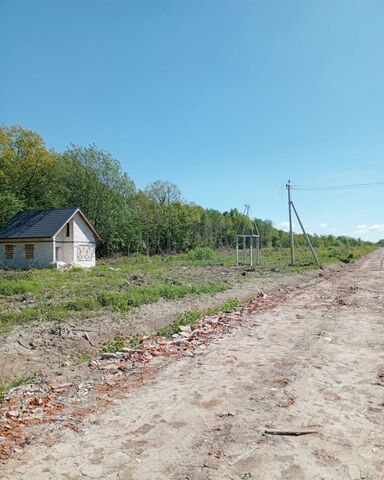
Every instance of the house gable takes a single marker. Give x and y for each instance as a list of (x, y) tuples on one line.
[(75, 242)]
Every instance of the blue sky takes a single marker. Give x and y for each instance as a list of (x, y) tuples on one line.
[(227, 99)]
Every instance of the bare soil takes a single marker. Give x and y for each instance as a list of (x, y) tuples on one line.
[(307, 361), (43, 347)]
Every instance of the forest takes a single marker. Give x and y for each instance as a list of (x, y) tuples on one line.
[(156, 220)]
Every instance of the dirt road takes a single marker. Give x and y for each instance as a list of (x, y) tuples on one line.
[(316, 361)]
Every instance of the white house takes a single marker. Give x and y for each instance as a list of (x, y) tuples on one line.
[(48, 238)]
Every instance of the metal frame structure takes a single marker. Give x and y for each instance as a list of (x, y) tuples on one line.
[(253, 240)]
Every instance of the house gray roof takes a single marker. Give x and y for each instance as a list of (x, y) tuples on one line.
[(38, 224)]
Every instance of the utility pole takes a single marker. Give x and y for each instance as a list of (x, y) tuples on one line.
[(290, 223), (309, 244)]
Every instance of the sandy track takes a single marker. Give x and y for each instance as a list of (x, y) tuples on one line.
[(312, 362)]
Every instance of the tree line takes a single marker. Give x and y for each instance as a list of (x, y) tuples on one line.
[(155, 220)]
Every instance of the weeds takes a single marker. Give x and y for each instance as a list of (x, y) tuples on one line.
[(201, 253), (114, 345), (81, 304), (84, 358), (137, 296), (12, 288), (134, 342), (48, 294)]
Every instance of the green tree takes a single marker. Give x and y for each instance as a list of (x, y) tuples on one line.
[(95, 182), (29, 175)]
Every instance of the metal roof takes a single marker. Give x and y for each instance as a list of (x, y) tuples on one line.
[(38, 224)]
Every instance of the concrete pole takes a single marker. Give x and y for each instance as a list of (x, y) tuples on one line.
[(316, 260), (290, 223)]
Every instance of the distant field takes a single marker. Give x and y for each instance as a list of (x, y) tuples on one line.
[(127, 282)]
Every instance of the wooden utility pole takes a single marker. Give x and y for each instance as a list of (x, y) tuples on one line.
[(290, 223)]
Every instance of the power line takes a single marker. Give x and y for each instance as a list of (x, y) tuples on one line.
[(339, 187)]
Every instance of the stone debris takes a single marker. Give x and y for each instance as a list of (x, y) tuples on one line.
[(57, 402), (226, 414), (26, 390), (107, 356), (186, 329)]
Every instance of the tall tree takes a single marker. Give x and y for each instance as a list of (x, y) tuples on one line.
[(96, 183), (29, 174)]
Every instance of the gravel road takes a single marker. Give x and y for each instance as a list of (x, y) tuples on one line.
[(313, 363)]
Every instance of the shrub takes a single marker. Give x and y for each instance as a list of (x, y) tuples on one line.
[(201, 253), (347, 258)]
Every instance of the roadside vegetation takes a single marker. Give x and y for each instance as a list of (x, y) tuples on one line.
[(123, 283), (193, 316), (154, 246)]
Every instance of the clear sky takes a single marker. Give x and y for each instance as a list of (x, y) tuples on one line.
[(226, 98)]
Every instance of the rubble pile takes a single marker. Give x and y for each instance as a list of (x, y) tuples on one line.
[(64, 404), (182, 343), (26, 405)]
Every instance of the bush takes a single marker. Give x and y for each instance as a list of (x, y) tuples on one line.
[(348, 258), (201, 253)]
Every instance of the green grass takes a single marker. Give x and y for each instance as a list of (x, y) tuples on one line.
[(114, 345), (134, 342), (13, 288), (193, 316), (84, 358), (124, 283), (279, 259), (80, 304), (140, 295), (201, 254)]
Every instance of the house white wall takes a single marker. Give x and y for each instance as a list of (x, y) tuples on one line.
[(64, 244), (79, 247), (43, 254)]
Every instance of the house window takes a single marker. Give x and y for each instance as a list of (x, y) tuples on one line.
[(9, 250), (29, 252), (67, 232)]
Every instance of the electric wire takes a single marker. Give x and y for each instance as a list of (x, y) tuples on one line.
[(339, 187)]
